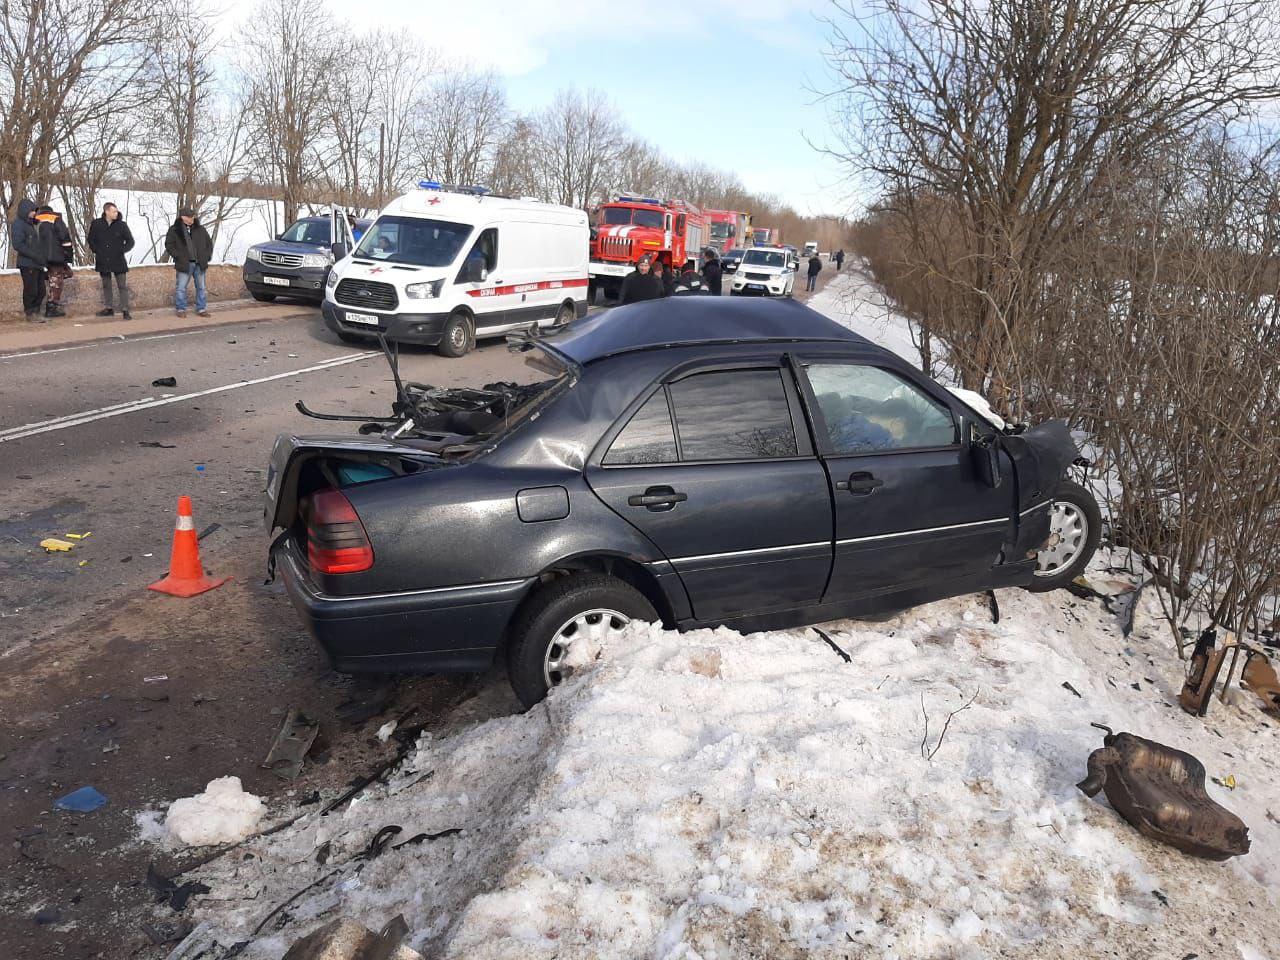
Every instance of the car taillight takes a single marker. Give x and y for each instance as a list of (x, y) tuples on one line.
[(336, 541)]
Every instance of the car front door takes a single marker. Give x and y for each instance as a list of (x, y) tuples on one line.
[(911, 508), (716, 468)]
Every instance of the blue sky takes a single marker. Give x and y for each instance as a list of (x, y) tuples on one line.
[(719, 81)]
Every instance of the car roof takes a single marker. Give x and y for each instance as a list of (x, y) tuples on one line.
[(690, 321)]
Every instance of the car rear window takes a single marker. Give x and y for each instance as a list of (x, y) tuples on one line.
[(733, 415), (648, 438)]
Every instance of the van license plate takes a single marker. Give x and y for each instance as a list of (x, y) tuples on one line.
[(755, 286), (277, 281), (367, 319)]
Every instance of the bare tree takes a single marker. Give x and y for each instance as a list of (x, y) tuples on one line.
[(64, 65), (577, 137), (291, 53), (463, 124)]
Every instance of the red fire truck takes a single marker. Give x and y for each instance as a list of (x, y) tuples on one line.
[(729, 228), (628, 227)]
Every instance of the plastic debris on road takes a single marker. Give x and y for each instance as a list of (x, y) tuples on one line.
[(79, 536), (54, 545), (165, 382), (84, 800), (224, 813)]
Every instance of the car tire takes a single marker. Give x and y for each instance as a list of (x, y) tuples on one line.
[(553, 614), (1077, 524), (564, 316), (263, 297), (457, 339)]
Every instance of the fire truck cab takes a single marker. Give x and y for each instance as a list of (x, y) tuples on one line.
[(628, 227)]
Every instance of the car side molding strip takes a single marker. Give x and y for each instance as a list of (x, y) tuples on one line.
[(911, 533), (748, 553)]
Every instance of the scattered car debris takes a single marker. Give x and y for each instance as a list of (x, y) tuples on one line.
[(347, 939), (54, 545), (287, 753), (165, 382), (1259, 678), (177, 896), (1066, 685), (79, 536), (832, 644), (385, 731), (1161, 792), (211, 528), (224, 813), (1229, 781), (156, 679), (1202, 674), (84, 800), (157, 445), (46, 916)]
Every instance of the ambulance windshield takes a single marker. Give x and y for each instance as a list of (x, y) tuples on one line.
[(421, 242)]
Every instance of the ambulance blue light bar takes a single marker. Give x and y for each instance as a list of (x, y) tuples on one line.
[(430, 185)]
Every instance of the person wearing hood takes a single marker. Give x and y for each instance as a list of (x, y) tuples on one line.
[(31, 259), (55, 240), (689, 282), (110, 240), (191, 248)]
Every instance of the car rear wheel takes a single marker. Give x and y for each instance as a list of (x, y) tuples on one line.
[(581, 607), (1075, 528), (457, 339), (263, 297)]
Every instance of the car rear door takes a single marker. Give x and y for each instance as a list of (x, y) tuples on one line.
[(716, 467), (910, 506)]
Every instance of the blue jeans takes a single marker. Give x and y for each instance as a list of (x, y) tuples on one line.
[(812, 281), (194, 272)]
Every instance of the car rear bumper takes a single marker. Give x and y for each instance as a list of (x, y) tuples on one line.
[(423, 328), (450, 630)]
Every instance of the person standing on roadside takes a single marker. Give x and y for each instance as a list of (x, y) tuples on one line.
[(815, 268), (839, 259), (711, 272), (31, 261), (109, 240), (191, 248), (641, 284), (55, 240), (668, 279)]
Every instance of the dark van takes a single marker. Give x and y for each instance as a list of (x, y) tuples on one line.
[(298, 261)]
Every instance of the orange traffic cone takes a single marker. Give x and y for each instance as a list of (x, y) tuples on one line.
[(186, 577)]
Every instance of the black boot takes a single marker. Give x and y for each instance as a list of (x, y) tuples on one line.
[(52, 309), (127, 315), (106, 312)]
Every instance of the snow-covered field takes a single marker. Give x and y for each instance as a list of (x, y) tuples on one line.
[(710, 795), (239, 223)]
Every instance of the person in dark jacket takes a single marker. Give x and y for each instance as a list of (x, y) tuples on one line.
[(641, 284), (109, 240), (31, 260), (55, 240), (689, 283), (712, 272), (668, 278), (815, 268), (839, 260), (191, 248)]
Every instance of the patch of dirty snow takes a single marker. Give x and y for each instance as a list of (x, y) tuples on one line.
[(224, 813)]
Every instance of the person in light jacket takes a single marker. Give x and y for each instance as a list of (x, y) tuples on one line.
[(191, 248), (110, 241)]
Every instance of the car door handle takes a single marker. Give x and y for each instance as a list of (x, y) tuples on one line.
[(861, 483), (657, 498)]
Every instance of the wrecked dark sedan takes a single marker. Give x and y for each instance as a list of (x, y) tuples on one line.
[(696, 462)]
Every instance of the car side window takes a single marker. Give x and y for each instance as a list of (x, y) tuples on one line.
[(482, 258), (647, 438), (868, 409), (733, 415)]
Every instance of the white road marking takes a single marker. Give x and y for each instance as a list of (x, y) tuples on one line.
[(106, 342), (147, 403)]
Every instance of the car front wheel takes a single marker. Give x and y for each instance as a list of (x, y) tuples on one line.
[(1075, 528), (581, 608), (457, 339)]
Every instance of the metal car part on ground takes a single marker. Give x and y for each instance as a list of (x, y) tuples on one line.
[(694, 461), (1160, 791)]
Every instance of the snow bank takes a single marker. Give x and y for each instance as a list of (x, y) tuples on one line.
[(715, 795), (224, 813), (854, 300)]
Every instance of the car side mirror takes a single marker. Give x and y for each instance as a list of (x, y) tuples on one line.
[(339, 250), (484, 274), (985, 450)]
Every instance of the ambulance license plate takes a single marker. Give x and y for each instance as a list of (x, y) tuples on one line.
[(367, 319)]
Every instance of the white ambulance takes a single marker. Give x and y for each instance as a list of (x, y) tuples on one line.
[(444, 266)]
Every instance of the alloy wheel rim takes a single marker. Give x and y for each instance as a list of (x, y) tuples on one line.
[(1068, 531), (594, 624)]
